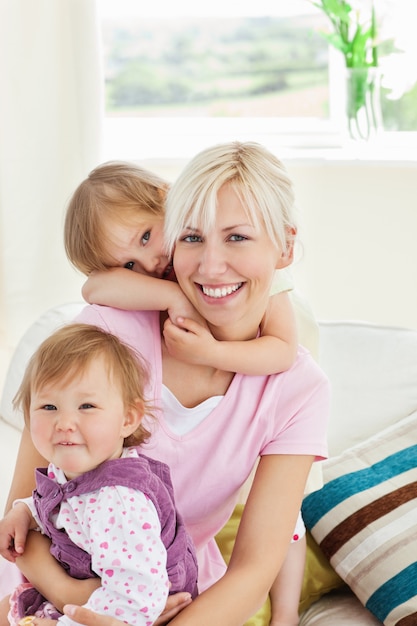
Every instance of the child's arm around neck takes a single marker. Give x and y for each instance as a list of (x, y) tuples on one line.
[(272, 352), (121, 288)]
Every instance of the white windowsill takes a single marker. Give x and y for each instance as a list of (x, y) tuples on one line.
[(167, 139)]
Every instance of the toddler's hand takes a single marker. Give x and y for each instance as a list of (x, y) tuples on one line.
[(181, 307), (14, 528), (190, 341)]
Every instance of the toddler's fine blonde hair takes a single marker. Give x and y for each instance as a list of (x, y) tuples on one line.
[(69, 351), (256, 175), (118, 190)]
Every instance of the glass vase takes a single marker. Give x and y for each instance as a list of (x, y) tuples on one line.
[(363, 104)]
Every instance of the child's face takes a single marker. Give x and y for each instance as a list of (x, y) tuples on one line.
[(138, 246), (79, 424)]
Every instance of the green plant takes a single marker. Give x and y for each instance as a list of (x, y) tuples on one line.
[(355, 36)]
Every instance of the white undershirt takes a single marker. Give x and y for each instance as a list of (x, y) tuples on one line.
[(180, 419)]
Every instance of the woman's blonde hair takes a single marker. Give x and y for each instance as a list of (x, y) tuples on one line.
[(257, 177), (118, 190), (68, 352)]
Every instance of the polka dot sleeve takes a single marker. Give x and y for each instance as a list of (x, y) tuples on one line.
[(120, 528)]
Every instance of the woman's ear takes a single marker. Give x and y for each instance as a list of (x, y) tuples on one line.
[(133, 418), (287, 255)]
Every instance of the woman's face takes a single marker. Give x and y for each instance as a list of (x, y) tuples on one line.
[(226, 273)]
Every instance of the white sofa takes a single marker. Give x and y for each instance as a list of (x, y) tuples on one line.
[(373, 371)]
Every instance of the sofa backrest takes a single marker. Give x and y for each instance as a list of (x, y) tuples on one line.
[(47, 323), (373, 373)]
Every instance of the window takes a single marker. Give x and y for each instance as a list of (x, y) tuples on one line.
[(178, 73)]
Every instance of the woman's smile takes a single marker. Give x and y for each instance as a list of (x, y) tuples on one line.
[(220, 291)]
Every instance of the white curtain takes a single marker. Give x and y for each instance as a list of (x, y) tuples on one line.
[(51, 108)]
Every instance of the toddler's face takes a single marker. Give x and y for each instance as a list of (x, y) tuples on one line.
[(78, 424), (138, 246)]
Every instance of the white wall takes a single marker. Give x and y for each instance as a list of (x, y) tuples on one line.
[(360, 236)]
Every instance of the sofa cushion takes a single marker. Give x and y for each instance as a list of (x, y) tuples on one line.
[(338, 608), (365, 521)]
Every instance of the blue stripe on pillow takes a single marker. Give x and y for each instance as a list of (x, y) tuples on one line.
[(318, 503), (393, 592)]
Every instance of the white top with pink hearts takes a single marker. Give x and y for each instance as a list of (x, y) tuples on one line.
[(121, 530)]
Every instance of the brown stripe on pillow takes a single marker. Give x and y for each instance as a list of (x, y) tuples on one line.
[(354, 523)]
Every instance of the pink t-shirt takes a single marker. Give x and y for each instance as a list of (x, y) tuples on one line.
[(278, 414)]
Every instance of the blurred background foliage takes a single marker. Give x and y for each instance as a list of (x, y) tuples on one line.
[(226, 67)]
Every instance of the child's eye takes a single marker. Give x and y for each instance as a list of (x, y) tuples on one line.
[(145, 237), (86, 405), (129, 265), (49, 407)]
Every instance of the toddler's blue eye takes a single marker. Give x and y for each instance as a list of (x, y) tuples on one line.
[(49, 407), (146, 236)]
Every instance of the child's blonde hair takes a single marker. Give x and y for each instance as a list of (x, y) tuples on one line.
[(67, 353), (118, 190), (255, 174)]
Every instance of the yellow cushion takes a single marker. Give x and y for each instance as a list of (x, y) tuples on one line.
[(319, 577), (226, 540)]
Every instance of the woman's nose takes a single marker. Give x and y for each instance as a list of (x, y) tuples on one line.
[(213, 260)]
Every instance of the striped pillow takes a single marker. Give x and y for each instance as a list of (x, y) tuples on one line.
[(365, 521)]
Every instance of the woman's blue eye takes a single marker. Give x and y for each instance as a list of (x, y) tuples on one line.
[(146, 236), (129, 265), (192, 238), (237, 238)]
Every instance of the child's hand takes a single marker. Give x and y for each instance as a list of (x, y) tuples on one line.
[(190, 341), (14, 528), (82, 615), (181, 307)]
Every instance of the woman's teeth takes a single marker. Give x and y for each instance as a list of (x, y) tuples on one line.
[(220, 292)]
